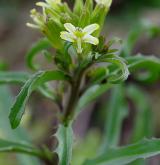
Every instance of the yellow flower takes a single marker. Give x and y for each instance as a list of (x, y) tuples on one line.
[(78, 35)]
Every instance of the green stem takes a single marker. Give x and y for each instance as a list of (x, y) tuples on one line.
[(75, 89)]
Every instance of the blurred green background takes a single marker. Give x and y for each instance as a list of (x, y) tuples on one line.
[(39, 123)]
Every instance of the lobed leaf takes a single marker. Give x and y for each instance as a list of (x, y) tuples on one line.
[(34, 82)]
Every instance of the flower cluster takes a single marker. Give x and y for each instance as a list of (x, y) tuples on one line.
[(84, 20)]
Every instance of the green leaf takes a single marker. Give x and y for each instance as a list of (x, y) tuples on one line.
[(98, 74), (136, 32), (123, 155), (78, 7), (13, 77), (115, 77), (7, 133), (64, 54), (117, 110), (34, 82), (149, 63), (21, 78), (143, 122), (91, 94), (65, 142), (20, 147), (41, 45)]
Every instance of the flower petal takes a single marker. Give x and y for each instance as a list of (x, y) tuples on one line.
[(90, 28), (67, 36), (70, 27), (90, 39)]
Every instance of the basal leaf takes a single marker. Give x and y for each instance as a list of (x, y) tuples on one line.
[(34, 82), (127, 154)]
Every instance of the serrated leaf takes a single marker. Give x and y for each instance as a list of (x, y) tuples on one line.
[(65, 142), (41, 45), (34, 82), (123, 155)]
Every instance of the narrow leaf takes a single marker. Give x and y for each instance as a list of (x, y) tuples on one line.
[(65, 140), (13, 77), (34, 82), (117, 110), (91, 94), (20, 147), (149, 63), (127, 154), (42, 44), (143, 125)]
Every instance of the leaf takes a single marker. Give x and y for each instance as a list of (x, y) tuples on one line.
[(149, 63), (21, 78), (91, 94), (115, 77), (96, 75), (42, 44), (34, 82), (117, 110), (136, 32), (123, 155), (7, 133), (65, 142), (13, 77), (78, 7), (20, 147), (64, 54), (143, 122)]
